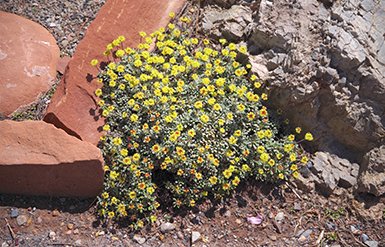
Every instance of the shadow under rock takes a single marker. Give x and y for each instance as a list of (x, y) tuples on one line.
[(63, 204)]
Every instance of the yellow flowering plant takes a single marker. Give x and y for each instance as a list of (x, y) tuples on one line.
[(187, 109)]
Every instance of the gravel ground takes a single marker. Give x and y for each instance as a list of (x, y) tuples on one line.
[(65, 20)]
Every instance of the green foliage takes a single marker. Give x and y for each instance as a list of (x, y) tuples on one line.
[(189, 110)]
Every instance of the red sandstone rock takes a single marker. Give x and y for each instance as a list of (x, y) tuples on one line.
[(62, 64), (73, 106), (28, 57), (36, 158)]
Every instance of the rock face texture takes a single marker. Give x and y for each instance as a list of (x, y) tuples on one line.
[(372, 172), (74, 105), (28, 57), (325, 64), (36, 158)]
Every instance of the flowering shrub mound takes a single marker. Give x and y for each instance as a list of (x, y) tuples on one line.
[(190, 109)]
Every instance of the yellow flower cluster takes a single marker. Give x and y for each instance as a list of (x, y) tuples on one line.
[(190, 111)]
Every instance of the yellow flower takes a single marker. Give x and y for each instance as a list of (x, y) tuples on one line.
[(264, 157), (171, 14), (111, 214), (229, 116), (117, 141), (236, 181), (204, 118), (246, 168), (211, 101), (142, 34), (124, 152), (308, 136), (150, 190), (132, 194), (98, 92), (94, 62), (298, 130), (213, 180), (238, 133), (257, 84), (293, 167), (227, 173), (198, 104), (293, 157), (119, 53), (198, 175), (241, 107), (233, 140), (304, 159), (295, 174), (271, 162), (217, 107), (105, 195), (226, 186), (156, 148), (134, 118), (191, 132), (250, 116), (291, 137), (192, 203), (281, 176), (113, 175), (261, 171), (127, 161), (136, 157)]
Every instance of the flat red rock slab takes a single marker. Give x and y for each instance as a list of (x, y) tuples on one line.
[(36, 158), (73, 106), (28, 57)]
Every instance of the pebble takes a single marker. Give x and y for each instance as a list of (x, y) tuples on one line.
[(39, 220), (238, 221), (297, 206), (195, 236), (354, 230), (14, 212), (139, 239), (371, 243), (302, 239), (55, 213), (21, 220), (279, 217), (364, 237), (167, 227), (52, 235), (307, 233), (70, 226), (273, 237), (180, 235), (69, 232), (76, 231), (4, 244), (78, 242)]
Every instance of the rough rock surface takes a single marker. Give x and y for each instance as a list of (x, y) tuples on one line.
[(36, 158), (28, 57), (372, 172), (325, 64), (74, 105)]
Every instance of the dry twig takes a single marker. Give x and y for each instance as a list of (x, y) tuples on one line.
[(10, 229)]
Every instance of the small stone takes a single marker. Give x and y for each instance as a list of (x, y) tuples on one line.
[(14, 212), (99, 233), (55, 213), (139, 239), (52, 235), (238, 221), (227, 213), (69, 232), (64, 43), (180, 235), (195, 236), (273, 237), (39, 220), (354, 230), (297, 206), (70, 226), (78, 242), (21, 220), (302, 239), (364, 237), (76, 231), (279, 217), (371, 243), (167, 227), (4, 244), (307, 233)]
